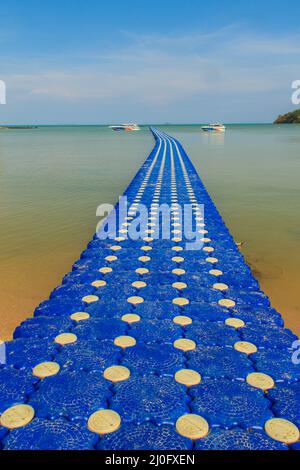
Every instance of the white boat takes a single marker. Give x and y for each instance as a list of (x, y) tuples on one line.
[(125, 127), (216, 127)]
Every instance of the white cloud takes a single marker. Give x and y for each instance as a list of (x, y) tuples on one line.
[(272, 46), (160, 70)]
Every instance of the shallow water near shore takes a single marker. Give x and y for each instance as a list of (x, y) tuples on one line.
[(53, 178)]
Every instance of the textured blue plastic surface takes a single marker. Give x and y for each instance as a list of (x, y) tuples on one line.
[(232, 403), (43, 434), (238, 439), (277, 363), (286, 401), (147, 436), (153, 358), (42, 327), (28, 352), (159, 399), (151, 401), (15, 387), (89, 355), (72, 394), (212, 334), (218, 361), (100, 329), (151, 331)]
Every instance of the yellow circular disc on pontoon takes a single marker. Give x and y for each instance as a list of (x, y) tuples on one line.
[(261, 381), (178, 259), (80, 316), (208, 249), (105, 270), (245, 347), (125, 342), (144, 259), (181, 301), (177, 248), (139, 284), (99, 283), (220, 286), (104, 422), (46, 369), (135, 300), (146, 248), (116, 374), (116, 248), (192, 426), (227, 303), (65, 338), (178, 272), (216, 272), (179, 285), (17, 416), (282, 430), (188, 377), (185, 345), (142, 271), (131, 318), (212, 260), (205, 240), (182, 320), (235, 323), (110, 259), (89, 299)]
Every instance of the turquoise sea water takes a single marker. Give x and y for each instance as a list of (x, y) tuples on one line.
[(53, 178)]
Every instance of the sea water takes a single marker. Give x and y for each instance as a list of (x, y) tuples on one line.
[(53, 178)]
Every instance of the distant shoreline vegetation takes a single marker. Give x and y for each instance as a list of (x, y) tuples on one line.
[(289, 118), (18, 127)]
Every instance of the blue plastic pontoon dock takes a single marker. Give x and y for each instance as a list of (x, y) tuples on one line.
[(181, 345)]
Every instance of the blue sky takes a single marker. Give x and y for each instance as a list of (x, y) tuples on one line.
[(93, 61)]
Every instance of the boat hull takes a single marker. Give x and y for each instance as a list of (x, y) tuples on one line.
[(213, 129)]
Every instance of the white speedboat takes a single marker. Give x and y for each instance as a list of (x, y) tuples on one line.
[(125, 127), (216, 127)]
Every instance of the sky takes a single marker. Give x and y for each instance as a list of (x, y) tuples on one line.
[(95, 61)]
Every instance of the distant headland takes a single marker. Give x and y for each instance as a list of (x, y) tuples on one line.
[(289, 118)]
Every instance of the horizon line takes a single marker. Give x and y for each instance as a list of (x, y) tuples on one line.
[(140, 124)]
